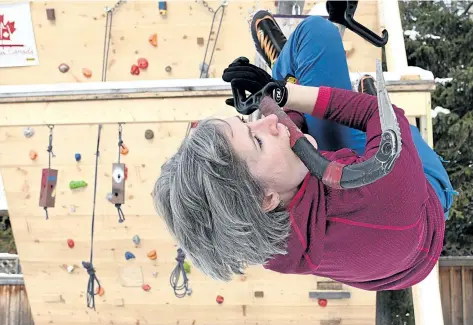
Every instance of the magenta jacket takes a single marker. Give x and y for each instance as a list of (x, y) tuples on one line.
[(385, 236)]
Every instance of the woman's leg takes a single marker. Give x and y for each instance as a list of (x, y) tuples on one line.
[(434, 171), (315, 56)]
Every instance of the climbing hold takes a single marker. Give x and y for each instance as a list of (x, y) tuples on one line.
[(77, 184), (149, 134), (153, 40), (259, 294), (99, 291), (163, 8), (168, 69), (124, 149), (143, 63), (136, 240), (50, 14), (109, 197), (152, 255), (146, 287), (63, 67), (70, 268), (219, 299), (155, 274), (322, 302), (187, 267), (200, 41), (77, 156), (189, 291), (87, 72), (28, 132), (135, 70), (33, 155), (70, 243), (129, 255)]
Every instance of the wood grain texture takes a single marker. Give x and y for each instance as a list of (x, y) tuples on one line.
[(76, 38)]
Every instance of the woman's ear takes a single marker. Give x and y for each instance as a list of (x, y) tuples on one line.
[(271, 201)]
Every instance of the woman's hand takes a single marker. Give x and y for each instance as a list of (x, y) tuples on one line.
[(246, 76)]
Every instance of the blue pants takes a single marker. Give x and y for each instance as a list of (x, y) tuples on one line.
[(315, 56)]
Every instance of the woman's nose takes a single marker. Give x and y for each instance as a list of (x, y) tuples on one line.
[(268, 123)]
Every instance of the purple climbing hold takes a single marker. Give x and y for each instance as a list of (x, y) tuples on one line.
[(129, 255)]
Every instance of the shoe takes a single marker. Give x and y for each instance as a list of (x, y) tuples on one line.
[(367, 85), (267, 36)]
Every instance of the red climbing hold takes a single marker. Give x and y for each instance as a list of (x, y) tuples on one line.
[(135, 70), (146, 287), (143, 63), (70, 243), (322, 302), (220, 299)]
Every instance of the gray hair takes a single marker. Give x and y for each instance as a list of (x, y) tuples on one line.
[(212, 205)]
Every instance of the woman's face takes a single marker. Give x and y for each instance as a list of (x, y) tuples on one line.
[(264, 144)]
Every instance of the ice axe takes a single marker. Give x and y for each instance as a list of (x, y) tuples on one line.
[(332, 173)]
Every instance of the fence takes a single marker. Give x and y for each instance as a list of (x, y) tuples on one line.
[(14, 305), (456, 290)]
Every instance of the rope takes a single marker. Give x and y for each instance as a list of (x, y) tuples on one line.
[(176, 275), (216, 39), (89, 265), (108, 37), (121, 215), (106, 45)]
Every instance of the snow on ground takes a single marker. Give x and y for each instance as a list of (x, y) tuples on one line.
[(439, 110)]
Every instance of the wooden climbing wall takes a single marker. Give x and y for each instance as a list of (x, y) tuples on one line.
[(59, 297), (76, 37)]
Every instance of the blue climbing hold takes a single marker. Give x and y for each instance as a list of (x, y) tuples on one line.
[(77, 156), (129, 255)]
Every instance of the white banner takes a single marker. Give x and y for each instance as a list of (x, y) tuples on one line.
[(17, 41)]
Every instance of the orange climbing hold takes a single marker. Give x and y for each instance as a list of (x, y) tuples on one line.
[(33, 155), (99, 291), (153, 40), (124, 149), (152, 255), (87, 72), (146, 287)]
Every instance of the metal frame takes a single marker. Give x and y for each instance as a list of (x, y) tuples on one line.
[(164, 88), (15, 278)]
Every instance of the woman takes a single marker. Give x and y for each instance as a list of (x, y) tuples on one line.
[(235, 194)]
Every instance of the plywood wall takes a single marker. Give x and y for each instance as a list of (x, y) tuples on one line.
[(59, 297), (77, 36)]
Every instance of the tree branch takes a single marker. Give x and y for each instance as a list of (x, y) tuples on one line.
[(466, 12)]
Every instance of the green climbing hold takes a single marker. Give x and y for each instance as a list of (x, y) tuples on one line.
[(187, 267), (77, 184)]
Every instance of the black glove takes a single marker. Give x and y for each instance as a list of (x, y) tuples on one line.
[(245, 76)]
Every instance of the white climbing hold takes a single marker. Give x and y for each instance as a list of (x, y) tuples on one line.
[(109, 197), (70, 268), (28, 132)]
